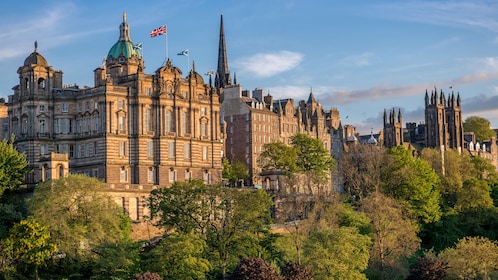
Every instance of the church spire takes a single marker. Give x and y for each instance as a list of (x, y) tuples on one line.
[(223, 75)]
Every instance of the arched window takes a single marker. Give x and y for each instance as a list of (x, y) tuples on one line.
[(42, 83), (61, 171)]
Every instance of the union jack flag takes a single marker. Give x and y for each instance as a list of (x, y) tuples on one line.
[(158, 31)]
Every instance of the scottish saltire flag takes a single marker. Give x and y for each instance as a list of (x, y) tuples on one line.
[(184, 52), (158, 31), (138, 46)]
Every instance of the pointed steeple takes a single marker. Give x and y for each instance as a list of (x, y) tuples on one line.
[(223, 75)]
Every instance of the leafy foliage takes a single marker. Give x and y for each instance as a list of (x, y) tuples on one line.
[(427, 269), (337, 254), (13, 166), (294, 271), (234, 171), (480, 126), (394, 234), (277, 155), (28, 244), (179, 256), (413, 183), (472, 258), (312, 155), (254, 269), (79, 214)]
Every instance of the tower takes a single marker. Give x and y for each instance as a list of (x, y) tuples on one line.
[(443, 120), (222, 78), (393, 129)]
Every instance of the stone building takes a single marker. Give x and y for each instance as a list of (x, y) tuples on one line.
[(393, 129), (443, 120), (133, 130), (252, 121)]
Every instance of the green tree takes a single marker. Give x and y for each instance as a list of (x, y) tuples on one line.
[(394, 234), (13, 166), (337, 254), (234, 222), (278, 156), (472, 258), (29, 244), (480, 126), (312, 156), (179, 256), (183, 207), (235, 171), (118, 260), (475, 194), (79, 214), (413, 183)]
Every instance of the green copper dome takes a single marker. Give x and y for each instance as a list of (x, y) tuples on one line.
[(124, 46)]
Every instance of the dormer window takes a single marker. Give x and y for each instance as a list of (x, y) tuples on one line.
[(121, 59)]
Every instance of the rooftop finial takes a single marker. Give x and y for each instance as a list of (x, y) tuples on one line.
[(36, 46), (124, 16)]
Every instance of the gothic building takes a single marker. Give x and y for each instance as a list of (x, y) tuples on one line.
[(133, 130), (252, 121), (393, 129), (443, 119)]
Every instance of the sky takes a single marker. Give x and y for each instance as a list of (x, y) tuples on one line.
[(360, 57)]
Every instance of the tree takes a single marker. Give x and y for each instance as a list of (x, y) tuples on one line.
[(234, 222), (29, 245), (413, 183), (394, 234), (235, 171), (361, 167), (294, 271), (278, 156), (337, 254), (254, 269), (147, 276), (472, 258), (480, 126), (13, 166), (179, 256), (312, 157), (426, 268), (475, 194), (79, 214)]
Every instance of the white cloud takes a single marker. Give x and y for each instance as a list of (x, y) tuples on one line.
[(266, 65)]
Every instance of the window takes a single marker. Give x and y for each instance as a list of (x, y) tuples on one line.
[(203, 111), (96, 123), (87, 150), (120, 104), (184, 123), (186, 151), (43, 149), (248, 117), (203, 129), (79, 124), (88, 105), (188, 175), (147, 120), (64, 125), (123, 174), (204, 153), (169, 121), (88, 125), (150, 175), (71, 151), (95, 150), (80, 108), (172, 175), (42, 108), (147, 91), (65, 108), (150, 149), (42, 126), (122, 148), (171, 150), (121, 123), (95, 173), (78, 154)]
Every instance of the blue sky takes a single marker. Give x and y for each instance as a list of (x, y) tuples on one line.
[(359, 56)]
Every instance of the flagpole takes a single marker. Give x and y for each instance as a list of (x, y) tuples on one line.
[(166, 45)]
